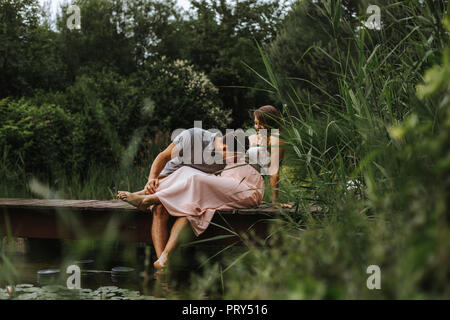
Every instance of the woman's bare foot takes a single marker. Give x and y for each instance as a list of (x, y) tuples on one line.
[(120, 195), (161, 262), (133, 199)]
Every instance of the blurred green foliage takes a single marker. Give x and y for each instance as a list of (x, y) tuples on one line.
[(365, 116), (368, 170)]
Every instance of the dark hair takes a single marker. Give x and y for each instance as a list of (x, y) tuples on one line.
[(235, 140), (268, 116)]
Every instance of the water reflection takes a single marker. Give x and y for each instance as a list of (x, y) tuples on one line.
[(124, 274)]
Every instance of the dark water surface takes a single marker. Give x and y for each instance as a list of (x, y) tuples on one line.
[(28, 256)]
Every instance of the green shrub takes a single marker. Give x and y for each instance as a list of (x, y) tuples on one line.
[(40, 135), (181, 95)]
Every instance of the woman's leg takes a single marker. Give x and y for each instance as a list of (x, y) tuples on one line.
[(120, 194), (142, 192), (178, 226), (160, 228)]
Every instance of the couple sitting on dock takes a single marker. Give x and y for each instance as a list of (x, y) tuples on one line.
[(187, 183)]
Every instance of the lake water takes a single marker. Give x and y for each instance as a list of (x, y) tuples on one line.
[(96, 260)]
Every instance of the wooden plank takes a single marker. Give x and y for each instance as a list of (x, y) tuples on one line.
[(78, 219), (65, 223), (110, 205), (72, 204)]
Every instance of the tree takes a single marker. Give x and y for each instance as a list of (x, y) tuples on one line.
[(102, 40), (28, 51), (302, 53), (177, 88), (120, 34), (154, 27), (223, 41)]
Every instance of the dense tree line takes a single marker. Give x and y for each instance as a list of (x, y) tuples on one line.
[(216, 37), (139, 64), (136, 66)]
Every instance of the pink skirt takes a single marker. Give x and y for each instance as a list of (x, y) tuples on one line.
[(196, 195)]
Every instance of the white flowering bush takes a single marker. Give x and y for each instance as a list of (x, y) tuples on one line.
[(182, 95)]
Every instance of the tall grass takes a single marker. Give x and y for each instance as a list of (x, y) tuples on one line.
[(374, 159), (97, 182)]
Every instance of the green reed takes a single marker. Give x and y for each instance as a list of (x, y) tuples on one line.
[(371, 160)]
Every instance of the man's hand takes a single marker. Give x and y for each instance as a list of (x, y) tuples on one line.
[(151, 186), (157, 166)]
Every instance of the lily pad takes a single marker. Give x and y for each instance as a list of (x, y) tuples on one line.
[(53, 288), (31, 290)]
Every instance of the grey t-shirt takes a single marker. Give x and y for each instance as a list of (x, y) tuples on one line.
[(196, 150)]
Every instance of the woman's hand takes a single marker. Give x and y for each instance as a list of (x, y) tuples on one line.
[(151, 186), (282, 205)]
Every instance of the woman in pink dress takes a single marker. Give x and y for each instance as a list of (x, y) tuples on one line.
[(193, 196)]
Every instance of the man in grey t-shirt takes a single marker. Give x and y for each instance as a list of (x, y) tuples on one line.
[(199, 149), (194, 146)]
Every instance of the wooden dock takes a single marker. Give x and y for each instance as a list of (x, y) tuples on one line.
[(107, 220)]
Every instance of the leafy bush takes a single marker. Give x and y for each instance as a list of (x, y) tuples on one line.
[(107, 108), (92, 121), (181, 95), (104, 116), (40, 135)]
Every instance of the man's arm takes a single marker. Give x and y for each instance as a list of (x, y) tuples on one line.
[(157, 166)]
